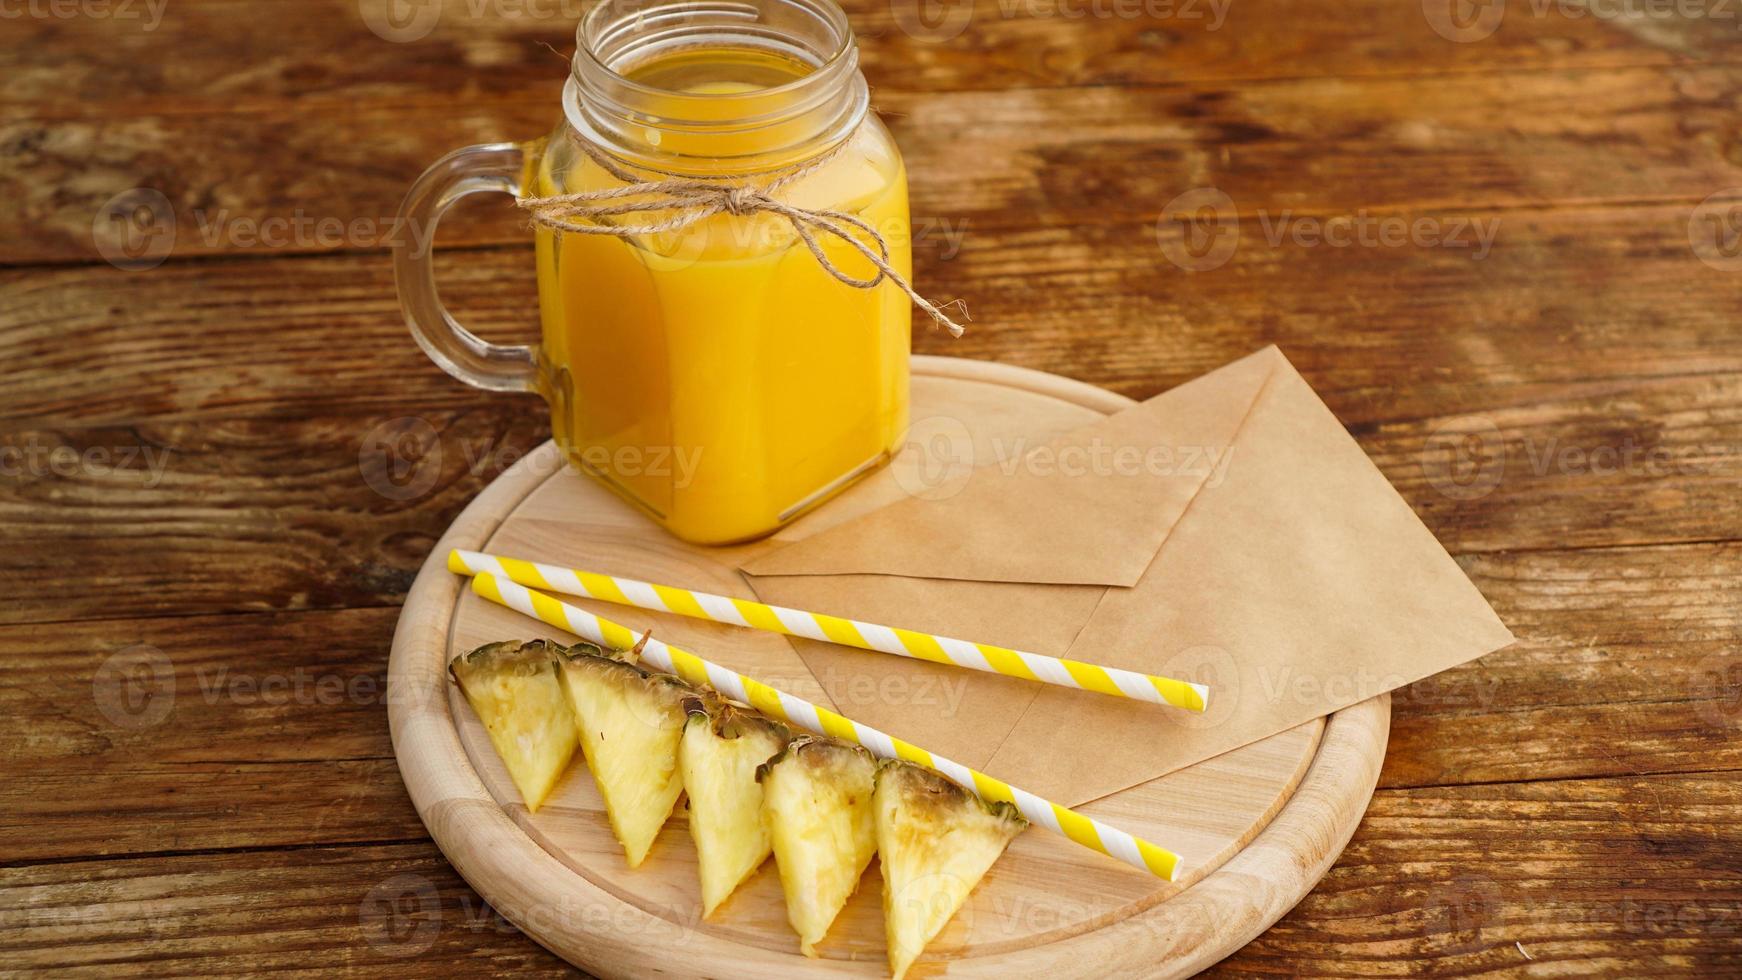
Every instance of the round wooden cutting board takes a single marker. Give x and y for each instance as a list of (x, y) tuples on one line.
[(1258, 826)]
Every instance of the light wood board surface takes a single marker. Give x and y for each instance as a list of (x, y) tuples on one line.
[(1258, 825)]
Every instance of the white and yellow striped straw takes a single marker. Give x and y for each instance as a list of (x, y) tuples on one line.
[(833, 629), (1091, 833)]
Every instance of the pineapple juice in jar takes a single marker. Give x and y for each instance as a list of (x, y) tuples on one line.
[(718, 376)]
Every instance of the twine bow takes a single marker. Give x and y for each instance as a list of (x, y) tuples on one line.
[(696, 199)]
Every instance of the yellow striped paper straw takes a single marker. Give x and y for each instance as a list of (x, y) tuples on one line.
[(833, 629), (1088, 832)]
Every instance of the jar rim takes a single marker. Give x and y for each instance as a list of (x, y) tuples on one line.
[(637, 120), (843, 49)]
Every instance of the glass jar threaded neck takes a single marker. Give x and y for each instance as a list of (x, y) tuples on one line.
[(715, 86)]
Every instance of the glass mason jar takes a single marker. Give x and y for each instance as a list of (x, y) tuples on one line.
[(715, 374)]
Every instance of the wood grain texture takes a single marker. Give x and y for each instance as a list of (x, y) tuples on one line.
[(333, 181), (1571, 799), (328, 55), (1568, 306), (276, 710), (1437, 882), (288, 513)]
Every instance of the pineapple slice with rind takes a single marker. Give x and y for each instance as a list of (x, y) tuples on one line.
[(514, 690), (817, 798), (935, 840), (723, 745), (630, 723)]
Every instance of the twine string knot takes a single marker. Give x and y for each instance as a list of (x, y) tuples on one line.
[(695, 199)]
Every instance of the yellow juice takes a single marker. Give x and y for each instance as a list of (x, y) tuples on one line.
[(718, 376)]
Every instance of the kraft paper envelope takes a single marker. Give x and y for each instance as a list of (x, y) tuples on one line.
[(1228, 531)]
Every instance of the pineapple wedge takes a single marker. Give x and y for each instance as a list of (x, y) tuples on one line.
[(630, 722), (817, 801), (935, 840), (722, 747), (513, 687)]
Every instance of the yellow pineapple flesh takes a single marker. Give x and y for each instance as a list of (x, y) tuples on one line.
[(630, 723), (722, 747), (514, 690), (817, 799), (935, 840)]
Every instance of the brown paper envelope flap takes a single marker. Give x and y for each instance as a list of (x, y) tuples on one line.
[(1089, 508), (1300, 585)]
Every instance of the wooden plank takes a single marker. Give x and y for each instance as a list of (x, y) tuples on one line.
[(171, 691), (329, 511), (268, 730), (307, 512), (1626, 664), (1035, 160), (1640, 463), (324, 53), (286, 514), (201, 732), (1629, 875), (1384, 332), (389, 910)]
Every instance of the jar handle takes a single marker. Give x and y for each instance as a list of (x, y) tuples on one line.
[(456, 350)]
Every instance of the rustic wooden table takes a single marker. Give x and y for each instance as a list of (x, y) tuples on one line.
[(1495, 238)]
